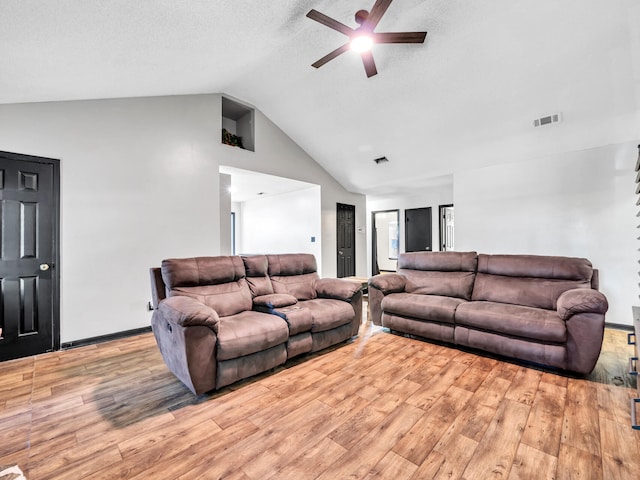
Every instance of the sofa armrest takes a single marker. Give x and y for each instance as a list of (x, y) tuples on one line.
[(581, 300), (185, 331), (388, 283), (275, 300), (188, 312), (379, 286), (337, 288)]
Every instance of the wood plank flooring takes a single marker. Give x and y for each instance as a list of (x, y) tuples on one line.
[(381, 407)]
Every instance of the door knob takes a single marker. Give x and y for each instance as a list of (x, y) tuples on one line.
[(340, 252), (44, 267)]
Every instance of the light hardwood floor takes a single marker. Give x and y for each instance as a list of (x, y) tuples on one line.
[(383, 406)]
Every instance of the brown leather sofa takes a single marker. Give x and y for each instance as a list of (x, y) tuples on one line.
[(541, 309), (218, 320)]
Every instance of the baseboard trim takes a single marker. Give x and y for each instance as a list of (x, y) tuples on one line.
[(104, 338), (619, 326), (137, 331)]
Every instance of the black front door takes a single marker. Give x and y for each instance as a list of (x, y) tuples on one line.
[(417, 229), (29, 212), (346, 240)]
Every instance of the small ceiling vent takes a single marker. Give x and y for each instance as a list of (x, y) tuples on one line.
[(548, 120), (380, 160)]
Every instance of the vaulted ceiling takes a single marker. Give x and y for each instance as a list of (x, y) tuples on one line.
[(465, 98)]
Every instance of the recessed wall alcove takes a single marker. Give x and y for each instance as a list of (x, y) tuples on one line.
[(238, 125)]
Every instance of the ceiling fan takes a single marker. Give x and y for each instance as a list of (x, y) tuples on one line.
[(362, 38)]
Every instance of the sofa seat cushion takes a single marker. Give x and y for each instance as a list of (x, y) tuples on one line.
[(514, 320), (424, 307), (297, 317), (249, 332), (327, 313)]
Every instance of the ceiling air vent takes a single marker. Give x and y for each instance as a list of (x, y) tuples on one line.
[(380, 160), (548, 120)]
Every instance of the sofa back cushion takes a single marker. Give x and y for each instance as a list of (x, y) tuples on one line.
[(218, 282), (449, 274), (529, 280), (294, 274), (257, 269)]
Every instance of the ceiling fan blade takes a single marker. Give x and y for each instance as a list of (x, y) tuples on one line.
[(369, 64), (330, 22), (399, 37), (331, 56), (376, 13)]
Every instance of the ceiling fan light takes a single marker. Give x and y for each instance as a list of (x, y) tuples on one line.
[(361, 43)]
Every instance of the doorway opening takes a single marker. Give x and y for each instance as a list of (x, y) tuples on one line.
[(385, 244), (446, 228), (270, 214)]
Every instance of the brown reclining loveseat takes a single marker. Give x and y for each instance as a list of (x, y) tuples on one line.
[(541, 309), (218, 320)]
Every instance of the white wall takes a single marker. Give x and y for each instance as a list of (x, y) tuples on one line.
[(431, 197), (139, 183), (282, 223), (580, 203)]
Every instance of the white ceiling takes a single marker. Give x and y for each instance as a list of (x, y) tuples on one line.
[(467, 97)]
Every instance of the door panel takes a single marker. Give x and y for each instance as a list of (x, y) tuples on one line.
[(28, 253), (417, 228), (346, 253)]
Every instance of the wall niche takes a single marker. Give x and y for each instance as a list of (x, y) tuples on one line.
[(238, 125)]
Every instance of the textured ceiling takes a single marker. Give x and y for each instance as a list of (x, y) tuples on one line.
[(466, 98)]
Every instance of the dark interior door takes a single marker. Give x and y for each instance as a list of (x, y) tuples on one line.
[(346, 240), (28, 255), (417, 228)]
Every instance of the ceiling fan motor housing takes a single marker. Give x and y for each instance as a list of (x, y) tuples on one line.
[(361, 16)]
